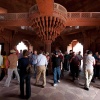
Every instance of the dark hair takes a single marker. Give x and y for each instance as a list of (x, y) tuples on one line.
[(89, 52), (25, 53), (40, 51)]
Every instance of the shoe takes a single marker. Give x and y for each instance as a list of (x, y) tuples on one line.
[(86, 88), (55, 85), (93, 81), (22, 97), (43, 86), (58, 81), (35, 84)]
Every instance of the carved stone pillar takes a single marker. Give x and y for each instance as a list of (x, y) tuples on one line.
[(86, 41), (47, 23), (48, 46)]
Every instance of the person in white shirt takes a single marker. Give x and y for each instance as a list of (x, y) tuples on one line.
[(1, 60), (88, 69), (41, 68)]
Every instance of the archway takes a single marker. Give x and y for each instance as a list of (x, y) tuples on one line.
[(21, 46), (76, 47)]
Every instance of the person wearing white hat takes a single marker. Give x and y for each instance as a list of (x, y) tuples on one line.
[(12, 59)]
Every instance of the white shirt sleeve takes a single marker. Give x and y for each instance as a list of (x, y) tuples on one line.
[(46, 62)]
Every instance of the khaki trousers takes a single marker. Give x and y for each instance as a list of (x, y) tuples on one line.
[(88, 77), (41, 70), (10, 73)]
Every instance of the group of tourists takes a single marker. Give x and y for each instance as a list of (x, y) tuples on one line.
[(17, 63)]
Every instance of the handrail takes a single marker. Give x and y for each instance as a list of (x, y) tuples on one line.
[(19, 16), (83, 15), (13, 16)]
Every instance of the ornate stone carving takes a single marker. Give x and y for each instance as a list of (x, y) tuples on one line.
[(48, 27)]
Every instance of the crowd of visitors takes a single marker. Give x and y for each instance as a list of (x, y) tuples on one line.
[(16, 63)]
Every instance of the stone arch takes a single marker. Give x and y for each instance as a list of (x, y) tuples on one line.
[(72, 44), (79, 40), (27, 43)]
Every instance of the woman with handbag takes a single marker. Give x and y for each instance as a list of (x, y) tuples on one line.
[(22, 64)]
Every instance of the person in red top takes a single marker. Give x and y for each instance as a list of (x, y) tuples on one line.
[(61, 55), (62, 59), (75, 66)]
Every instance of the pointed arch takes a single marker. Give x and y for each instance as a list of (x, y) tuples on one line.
[(76, 46)]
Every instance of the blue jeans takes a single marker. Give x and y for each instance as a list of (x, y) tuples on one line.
[(34, 66), (56, 73)]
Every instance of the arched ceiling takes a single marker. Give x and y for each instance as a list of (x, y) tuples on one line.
[(17, 6)]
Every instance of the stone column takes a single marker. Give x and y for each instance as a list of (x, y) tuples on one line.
[(48, 49), (86, 41), (48, 46)]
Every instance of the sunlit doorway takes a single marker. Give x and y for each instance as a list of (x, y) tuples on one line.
[(21, 46), (76, 47)]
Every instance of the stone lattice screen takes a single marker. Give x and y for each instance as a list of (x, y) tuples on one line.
[(83, 15)]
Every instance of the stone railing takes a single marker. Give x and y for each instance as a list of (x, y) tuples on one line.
[(19, 16), (13, 16), (60, 11), (83, 15), (60, 8)]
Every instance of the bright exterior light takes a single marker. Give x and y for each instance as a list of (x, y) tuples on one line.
[(77, 27), (78, 47), (21, 46), (23, 27)]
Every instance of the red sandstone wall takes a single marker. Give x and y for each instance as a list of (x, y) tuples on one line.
[(90, 40)]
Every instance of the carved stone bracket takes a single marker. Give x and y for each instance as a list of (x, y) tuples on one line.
[(48, 27)]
